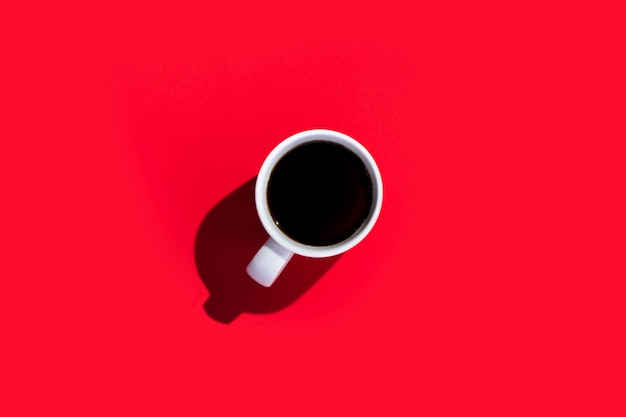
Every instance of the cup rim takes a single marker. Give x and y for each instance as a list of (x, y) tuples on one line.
[(272, 159)]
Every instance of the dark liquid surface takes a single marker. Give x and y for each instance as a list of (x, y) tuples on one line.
[(319, 193)]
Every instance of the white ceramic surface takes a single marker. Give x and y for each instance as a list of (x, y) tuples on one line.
[(272, 258)]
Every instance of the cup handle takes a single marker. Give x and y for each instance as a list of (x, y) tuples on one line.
[(268, 263)]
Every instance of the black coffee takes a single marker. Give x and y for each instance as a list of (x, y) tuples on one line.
[(320, 193)]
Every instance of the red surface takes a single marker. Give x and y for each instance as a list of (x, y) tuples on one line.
[(493, 283)]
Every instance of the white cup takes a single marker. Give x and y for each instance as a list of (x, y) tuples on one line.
[(272, 258)]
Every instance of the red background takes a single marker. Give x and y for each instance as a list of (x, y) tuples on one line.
[(493, 283)]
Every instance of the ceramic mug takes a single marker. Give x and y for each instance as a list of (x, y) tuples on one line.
[(317, 164)]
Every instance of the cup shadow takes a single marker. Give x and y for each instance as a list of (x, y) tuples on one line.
[(227, 239)]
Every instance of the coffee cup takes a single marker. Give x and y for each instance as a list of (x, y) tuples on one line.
[(318, 194)]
